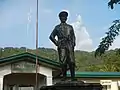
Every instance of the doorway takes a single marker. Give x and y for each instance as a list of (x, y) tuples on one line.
[(22, 81)]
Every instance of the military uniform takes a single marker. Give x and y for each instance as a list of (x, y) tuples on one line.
[(65, 45)]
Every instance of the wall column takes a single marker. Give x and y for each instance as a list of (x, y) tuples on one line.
[(48, 73), (1, 83), (114, 85), (49, 80)]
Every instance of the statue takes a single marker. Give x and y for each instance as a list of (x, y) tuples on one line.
[(65, 44)]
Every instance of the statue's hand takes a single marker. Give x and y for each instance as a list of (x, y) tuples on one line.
[(57, 43), (74, 44)]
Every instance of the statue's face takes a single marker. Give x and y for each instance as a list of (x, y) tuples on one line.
[(63, 19)]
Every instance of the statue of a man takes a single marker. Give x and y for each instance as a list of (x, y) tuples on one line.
[(65, 44)]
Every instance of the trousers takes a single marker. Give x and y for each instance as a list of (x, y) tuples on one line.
[(67, 59)]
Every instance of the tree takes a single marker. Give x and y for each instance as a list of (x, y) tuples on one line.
[(112, 2), (111, 34)]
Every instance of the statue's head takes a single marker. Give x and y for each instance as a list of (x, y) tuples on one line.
[(63, 16)]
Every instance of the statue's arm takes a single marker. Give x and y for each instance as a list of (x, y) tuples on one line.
[(52, 36), (73, 36)]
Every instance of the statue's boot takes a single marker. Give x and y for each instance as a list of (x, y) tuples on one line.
[(72, 71), (64, 72)]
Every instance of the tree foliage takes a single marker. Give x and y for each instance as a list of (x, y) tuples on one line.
[(111, 34), (112, 2), (109, 38), (85, 61)]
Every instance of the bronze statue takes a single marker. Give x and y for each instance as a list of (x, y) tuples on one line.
[(65, 44)]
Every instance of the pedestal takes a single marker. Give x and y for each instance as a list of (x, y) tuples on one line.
[(73, 85)]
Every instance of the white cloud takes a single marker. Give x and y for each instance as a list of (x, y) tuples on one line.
[(116, 43), (83, 40)]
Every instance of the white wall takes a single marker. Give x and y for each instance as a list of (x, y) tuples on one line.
[(47, 72), (110, 83), (3, 71)]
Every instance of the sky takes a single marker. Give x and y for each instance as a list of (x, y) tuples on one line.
[(90, 21)]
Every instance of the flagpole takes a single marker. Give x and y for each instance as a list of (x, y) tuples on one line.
[(37, 46)]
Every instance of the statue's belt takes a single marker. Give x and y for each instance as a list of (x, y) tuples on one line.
[(64, 39)]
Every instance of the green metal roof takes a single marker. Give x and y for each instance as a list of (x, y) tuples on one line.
[(96, 74), (19, 57)]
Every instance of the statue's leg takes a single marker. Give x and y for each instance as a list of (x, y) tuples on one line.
[(62, 58), (72, 70), (71, 63), (64, 69)]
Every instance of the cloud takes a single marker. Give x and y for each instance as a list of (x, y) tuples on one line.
[(83, 40), (116, 43)]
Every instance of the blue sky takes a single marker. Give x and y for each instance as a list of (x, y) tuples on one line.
[(16, 30)]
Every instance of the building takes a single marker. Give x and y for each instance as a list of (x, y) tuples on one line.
[(18, 72), (109, 80)]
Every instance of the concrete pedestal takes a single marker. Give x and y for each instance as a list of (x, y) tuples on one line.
[(73, 85)]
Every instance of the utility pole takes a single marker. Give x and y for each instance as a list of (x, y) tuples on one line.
[(37, 47)]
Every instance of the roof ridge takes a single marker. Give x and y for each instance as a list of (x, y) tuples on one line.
[(28, 54)]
